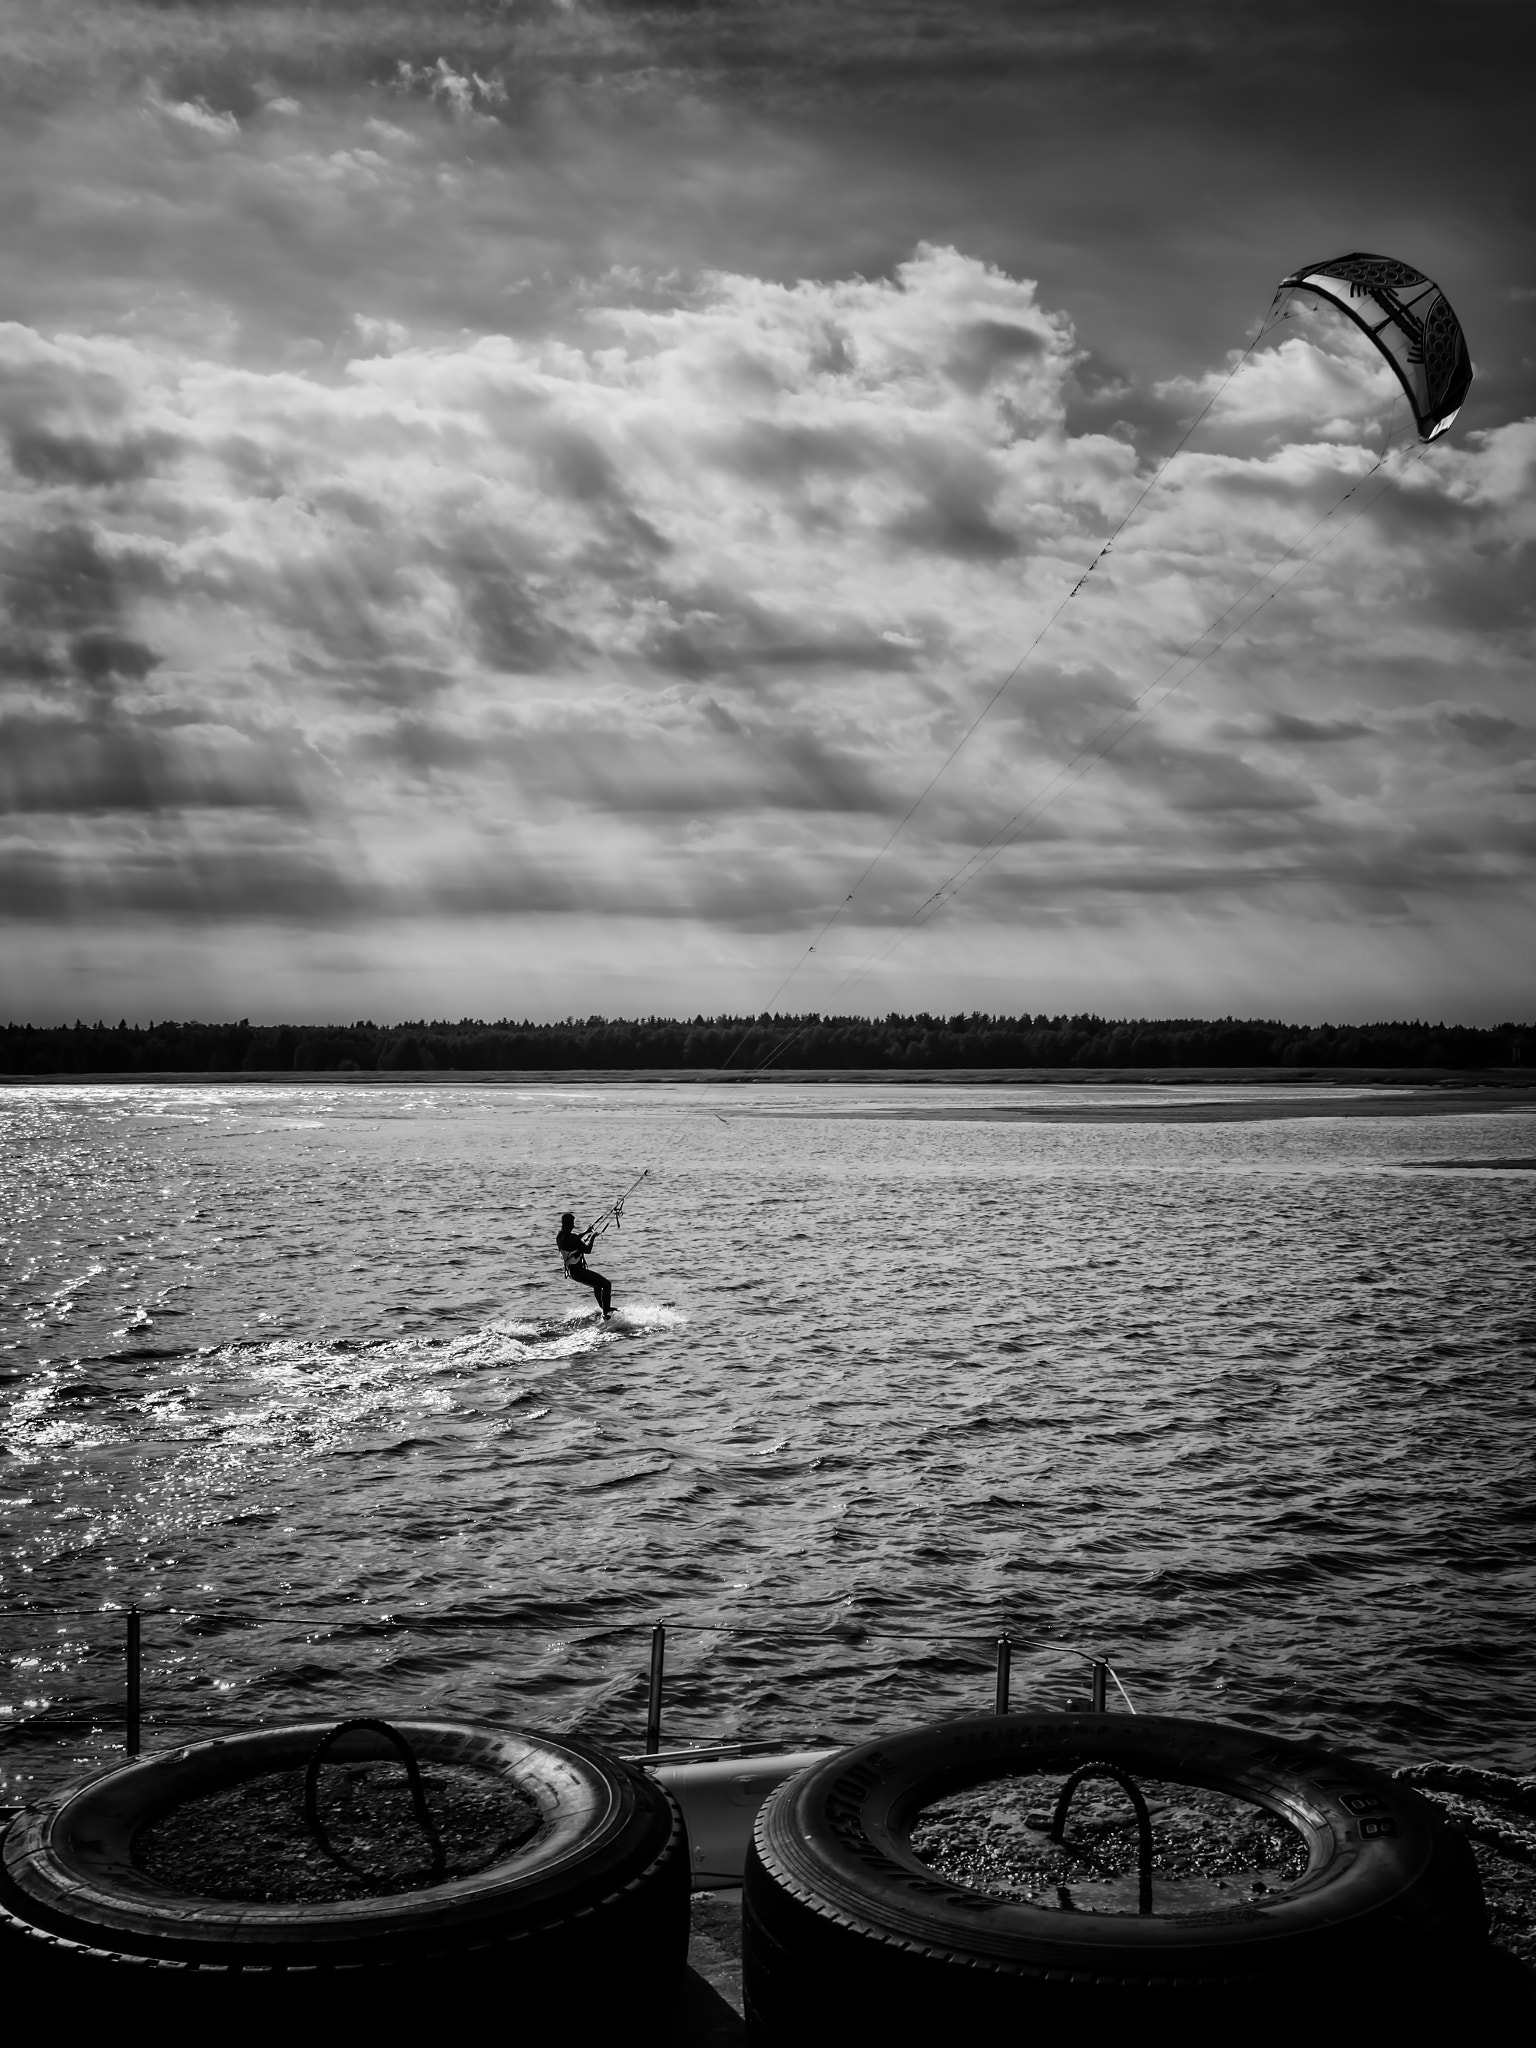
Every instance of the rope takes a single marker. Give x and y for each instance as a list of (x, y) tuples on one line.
[(1473, 1781), (1017, 669), (1095, 747), (613, 1217), (1114, 1674), (1092, 748)]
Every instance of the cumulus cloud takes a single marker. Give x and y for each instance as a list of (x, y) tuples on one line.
[(196, 115), (465, 93)]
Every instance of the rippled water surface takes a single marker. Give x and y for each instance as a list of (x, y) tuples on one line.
[(1249, 1405)]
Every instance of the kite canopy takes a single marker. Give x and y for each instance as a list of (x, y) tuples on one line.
[(1410, 320)]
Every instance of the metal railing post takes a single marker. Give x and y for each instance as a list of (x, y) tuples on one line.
[(132, 1716), (1004, 1671), (653, 1699), (1100, 1670)]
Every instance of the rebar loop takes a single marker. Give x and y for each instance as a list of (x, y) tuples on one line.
[(1132, 1790), (419, 1807)]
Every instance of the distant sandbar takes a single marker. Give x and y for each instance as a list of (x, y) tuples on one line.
[(1048, 1095), (1231, 1110), (1480, 1165)]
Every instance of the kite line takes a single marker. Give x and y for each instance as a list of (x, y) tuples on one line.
[(1099, 744), (1410, 321), (1017, 669)]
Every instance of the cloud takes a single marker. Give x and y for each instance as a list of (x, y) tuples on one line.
[(431, 497), (1325, 384), (465, 93), (61, 765), (830, 510), (44, 456), (196, 115), (194, 883), (1286, 728)]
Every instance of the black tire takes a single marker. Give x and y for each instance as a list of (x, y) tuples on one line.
[(591, 1911), (847, 1934)]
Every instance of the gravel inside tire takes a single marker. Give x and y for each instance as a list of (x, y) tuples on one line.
[(249, 1841), (1209, 1850)]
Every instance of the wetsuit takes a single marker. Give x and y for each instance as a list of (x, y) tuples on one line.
[(573, 1249)]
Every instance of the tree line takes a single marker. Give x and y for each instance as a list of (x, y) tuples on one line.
[(895, 1042)]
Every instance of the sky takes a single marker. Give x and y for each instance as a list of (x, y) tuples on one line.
[(544, 509)]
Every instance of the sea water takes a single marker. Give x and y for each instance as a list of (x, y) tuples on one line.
[(1246, 1406)]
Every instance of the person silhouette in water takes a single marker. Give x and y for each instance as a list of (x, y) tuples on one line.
[(574, 1245)]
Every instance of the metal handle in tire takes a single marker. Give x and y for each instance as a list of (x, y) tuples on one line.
[(1132, 1791), (419, 1805)]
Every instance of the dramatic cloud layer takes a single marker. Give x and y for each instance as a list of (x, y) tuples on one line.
[(432, 587)]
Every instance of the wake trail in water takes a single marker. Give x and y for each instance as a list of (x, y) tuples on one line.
[(584, 1329)]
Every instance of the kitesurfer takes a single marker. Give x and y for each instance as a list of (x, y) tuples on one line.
[(574, 1245)]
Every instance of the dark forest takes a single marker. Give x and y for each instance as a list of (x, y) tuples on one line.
[(896, 1043)]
